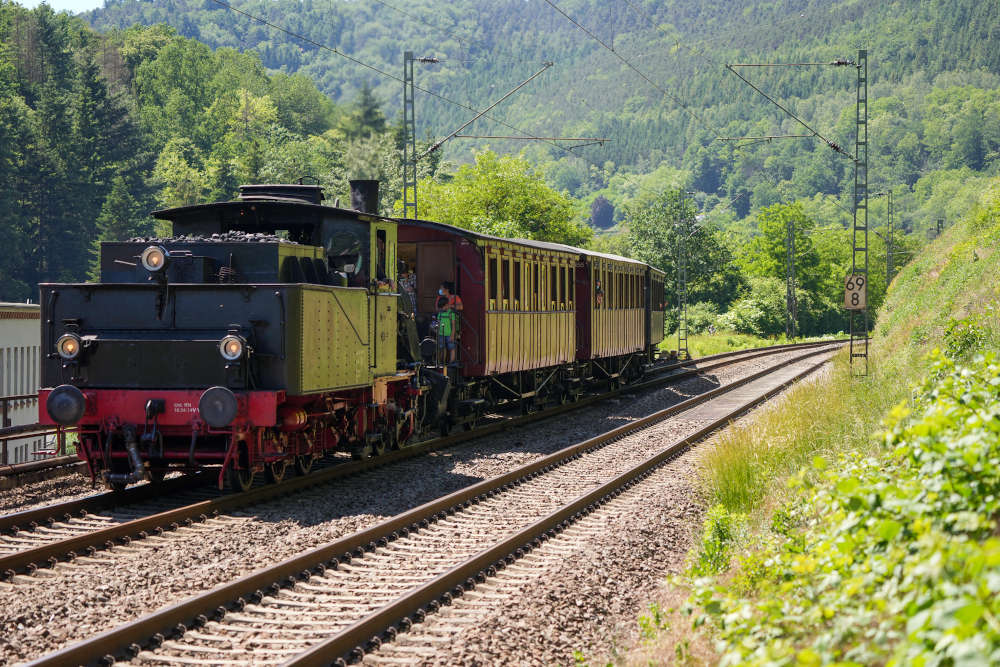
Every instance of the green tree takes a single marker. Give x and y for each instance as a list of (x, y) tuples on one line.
[(122, 217), (365, 116), (502, 196), (179, 174), (765, 256), (657, 230)]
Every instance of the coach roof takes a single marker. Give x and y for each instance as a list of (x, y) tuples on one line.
[(531, 243)]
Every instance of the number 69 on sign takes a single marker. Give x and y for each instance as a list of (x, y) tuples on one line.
[(855, 292)]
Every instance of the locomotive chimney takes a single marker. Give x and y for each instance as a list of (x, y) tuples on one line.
[(364, 196)]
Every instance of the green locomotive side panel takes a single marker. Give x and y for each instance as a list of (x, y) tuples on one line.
[(384, 298), (384, 306), (329, 334)]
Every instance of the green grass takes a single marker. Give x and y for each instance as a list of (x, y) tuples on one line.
[(943, 299), (703, 345), (822, 418), (838, 547)]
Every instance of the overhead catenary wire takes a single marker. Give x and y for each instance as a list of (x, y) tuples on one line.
[(482, 113), (836, 147), (382, 72), (635, 69)]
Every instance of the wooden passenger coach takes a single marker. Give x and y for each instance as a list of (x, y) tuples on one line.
[(530, 312), (612, 316), (519, 296), (533, 305)]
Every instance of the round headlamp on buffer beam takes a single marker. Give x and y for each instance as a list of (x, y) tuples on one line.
[(218, 407)]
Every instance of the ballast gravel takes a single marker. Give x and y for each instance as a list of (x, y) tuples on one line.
[(58, 606), (45, 492), (575, 597)]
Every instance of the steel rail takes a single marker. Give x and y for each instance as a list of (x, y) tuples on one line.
[(369, 633), (29, 560), (152, 629), (15, 469), (19, 474), (28, 519)]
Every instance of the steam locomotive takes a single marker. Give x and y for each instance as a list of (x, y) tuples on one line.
[(273, 329)]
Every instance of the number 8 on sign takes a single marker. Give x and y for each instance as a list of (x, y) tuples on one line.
[(855, 292)]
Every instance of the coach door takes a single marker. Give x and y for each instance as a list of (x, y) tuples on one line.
[(435, 265)]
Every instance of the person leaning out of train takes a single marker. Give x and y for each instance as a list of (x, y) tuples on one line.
[(449, 305)]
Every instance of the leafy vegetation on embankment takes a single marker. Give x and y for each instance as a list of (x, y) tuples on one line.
[(882, 546)]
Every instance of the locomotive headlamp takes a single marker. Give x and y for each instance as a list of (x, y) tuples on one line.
[(231, 347), (154, 258), (68, 346)]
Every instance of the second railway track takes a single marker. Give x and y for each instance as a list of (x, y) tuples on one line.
[(351, 595), (45, 536)]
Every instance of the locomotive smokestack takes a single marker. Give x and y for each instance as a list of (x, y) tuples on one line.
[(364, 196)]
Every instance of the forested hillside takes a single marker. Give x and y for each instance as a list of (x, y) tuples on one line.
[(934, 74), (172, 102), (98, 130)]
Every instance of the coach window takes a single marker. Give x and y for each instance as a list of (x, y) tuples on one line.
[(553, 288), (598, 283), (518, 296), (608, 289), (492, 280), (617, 283), (572, 285), (534, 286), (562, 287), (505, 283), (608, 281)]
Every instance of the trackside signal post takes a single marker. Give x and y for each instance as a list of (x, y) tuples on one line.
[(859, 240)]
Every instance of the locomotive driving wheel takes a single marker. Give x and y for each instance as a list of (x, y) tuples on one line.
[(275, 471), (241, 478), (304, 463)]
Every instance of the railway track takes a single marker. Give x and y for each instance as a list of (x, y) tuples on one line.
[(19, 474), (348, 597), (45, 536)]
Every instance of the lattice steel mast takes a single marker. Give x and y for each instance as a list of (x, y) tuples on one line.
[(859, 254), (409, 141), (791, 306)]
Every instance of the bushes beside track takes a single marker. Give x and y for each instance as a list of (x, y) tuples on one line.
[(857, 521), (887, 557)]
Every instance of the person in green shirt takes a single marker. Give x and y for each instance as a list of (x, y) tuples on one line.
[(449, 305)]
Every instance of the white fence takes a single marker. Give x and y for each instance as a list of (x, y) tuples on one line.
[(19, 366)]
